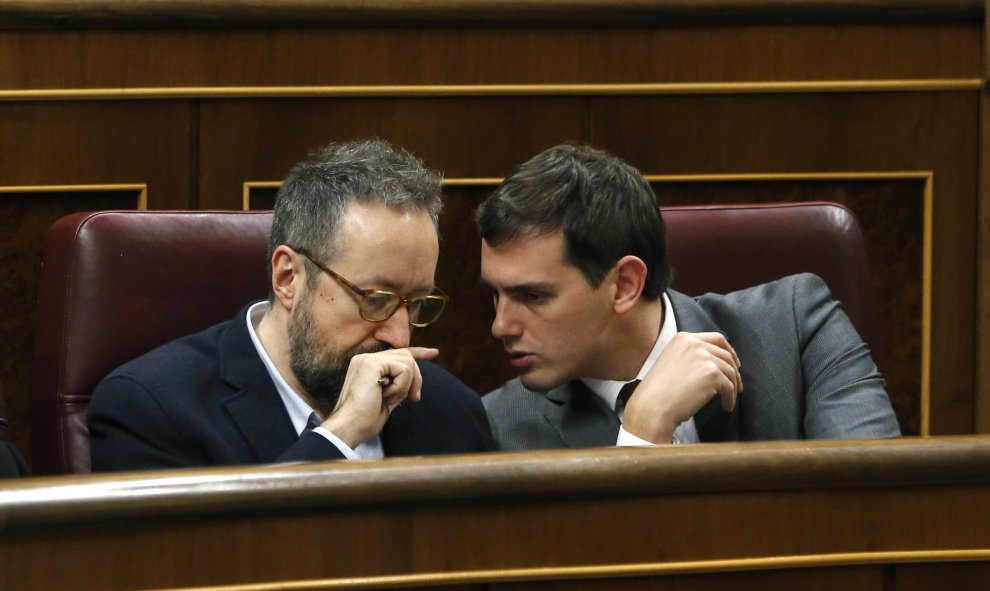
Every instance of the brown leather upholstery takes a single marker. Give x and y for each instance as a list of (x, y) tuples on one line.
[(117, 284)]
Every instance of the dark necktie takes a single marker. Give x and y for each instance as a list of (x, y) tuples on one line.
[(312, 423)]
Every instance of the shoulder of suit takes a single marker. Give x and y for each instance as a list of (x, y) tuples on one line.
[(190, 352), (438, 382), (513, 393), (499, 395), (785, 286)]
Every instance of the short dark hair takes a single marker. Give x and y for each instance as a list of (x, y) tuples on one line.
[(313, 198), (604, 206)]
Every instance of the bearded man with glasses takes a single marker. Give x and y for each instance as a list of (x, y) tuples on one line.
[(323, 369)]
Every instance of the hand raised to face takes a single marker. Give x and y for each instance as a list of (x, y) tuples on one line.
[(365, 403), (693, 369)]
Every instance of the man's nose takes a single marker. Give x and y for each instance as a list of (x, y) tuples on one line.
[(395, 330), (504, 324)]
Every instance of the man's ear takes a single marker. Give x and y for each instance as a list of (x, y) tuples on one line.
[(288, 275), (630, 278)]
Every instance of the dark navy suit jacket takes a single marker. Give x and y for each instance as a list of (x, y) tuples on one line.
[(11, 461), (207, 400)]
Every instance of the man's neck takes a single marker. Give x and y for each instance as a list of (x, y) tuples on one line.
[(273, 333), (632, 339)]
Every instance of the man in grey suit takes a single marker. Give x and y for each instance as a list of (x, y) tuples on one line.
[(574, 251)]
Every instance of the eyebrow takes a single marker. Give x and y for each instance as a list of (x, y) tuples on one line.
[(524, 287), (388, 285)]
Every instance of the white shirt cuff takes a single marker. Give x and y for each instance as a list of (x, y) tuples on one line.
[(349, 453), (627, 439)]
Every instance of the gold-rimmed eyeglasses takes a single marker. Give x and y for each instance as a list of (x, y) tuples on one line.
[(378, 305)]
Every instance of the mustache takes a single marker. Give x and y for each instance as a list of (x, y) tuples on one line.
[(324, 381), (377, 347)]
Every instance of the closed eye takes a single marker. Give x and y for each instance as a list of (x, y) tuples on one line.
[(531, 297), (529, 294)]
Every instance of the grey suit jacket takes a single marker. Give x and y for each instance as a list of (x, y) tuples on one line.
[(806, 375)]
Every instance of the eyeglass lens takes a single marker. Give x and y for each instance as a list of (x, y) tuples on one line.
[(422, 310)]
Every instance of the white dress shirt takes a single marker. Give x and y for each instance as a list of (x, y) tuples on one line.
[(297, 408), (608, 390)]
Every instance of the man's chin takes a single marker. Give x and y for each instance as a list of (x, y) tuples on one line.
[(324, 380), (536, 381)]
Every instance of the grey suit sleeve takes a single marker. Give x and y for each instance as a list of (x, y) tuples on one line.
[(844, 392)]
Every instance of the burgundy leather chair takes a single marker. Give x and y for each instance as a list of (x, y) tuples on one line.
[(723, 248), (117, 284)]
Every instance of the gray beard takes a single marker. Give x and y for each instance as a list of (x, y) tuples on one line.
[(319, 367)]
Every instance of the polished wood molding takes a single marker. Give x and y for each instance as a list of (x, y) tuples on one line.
[(476, 520), (225, 13), (702, 468), (982, 403), (248, 186), (611, 571), (140, 188), (470, 90)]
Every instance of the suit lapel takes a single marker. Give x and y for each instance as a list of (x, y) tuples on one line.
[(713, 423), (253, 402), (579, 417)]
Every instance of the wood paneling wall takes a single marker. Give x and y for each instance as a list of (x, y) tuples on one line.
[(193, 100)]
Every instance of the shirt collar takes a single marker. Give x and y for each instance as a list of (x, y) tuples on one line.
[(297, 408), (608, 390)]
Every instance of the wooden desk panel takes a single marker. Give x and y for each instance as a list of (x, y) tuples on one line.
[(835, 511)]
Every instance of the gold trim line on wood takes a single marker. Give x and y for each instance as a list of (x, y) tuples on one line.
[(385, 90), (612, 570), (247, 186), (661, 178), (791, 176), (141, 188), (926, 307)]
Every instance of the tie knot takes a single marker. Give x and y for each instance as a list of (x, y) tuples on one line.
[(312, 423), (627, 391)]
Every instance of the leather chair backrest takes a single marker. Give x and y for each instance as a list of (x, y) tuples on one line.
[(116, 284), (724, 248)]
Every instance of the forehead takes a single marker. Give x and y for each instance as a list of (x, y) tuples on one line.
[(524, 260), (378, 225), (389, 246)]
